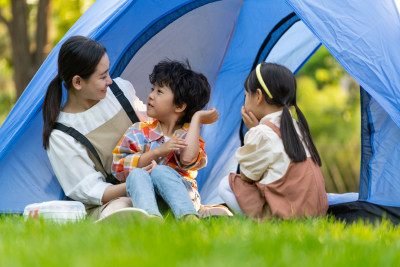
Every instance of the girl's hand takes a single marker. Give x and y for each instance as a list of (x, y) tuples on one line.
[(207, 116), (150, 167), (249, 119), (174, 144)]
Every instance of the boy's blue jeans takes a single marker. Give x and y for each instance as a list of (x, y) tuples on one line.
[(142, 188)]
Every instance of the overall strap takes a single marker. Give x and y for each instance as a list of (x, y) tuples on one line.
[(273, 127), (85, 142), (124, 102)]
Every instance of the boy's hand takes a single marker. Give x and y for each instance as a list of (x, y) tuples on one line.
[(174, 144), (249, 119), (207, 116), (150, 167)]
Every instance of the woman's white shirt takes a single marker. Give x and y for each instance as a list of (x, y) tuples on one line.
[(263, 157), (69, 158)]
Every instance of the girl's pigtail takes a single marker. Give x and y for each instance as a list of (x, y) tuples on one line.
[(51, 108), (291, 141), (305, 132)]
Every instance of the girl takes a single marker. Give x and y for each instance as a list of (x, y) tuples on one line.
[(279, 164)]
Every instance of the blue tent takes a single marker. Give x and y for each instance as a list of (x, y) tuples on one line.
[(224, 40)]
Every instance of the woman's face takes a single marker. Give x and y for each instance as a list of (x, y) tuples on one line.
[(94, 88)]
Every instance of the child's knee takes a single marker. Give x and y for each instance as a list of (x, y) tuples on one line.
[(160, 170), (137, 174), (162, 174)]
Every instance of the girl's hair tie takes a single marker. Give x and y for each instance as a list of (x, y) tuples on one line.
[(261, 81)]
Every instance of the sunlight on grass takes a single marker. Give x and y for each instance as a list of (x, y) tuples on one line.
[(212, 242)]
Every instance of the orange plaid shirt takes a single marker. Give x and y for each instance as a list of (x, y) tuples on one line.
[(142, 137)]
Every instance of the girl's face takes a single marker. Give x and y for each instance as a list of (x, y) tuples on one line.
[(160, 102), (250, 102), (94, 88)]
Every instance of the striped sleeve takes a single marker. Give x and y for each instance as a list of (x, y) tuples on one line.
[(128, 151), (201, 161)]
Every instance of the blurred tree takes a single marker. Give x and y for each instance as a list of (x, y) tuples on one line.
[(27, 23), (27, 53)]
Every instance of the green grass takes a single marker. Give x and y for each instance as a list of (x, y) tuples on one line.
[(212, 242)]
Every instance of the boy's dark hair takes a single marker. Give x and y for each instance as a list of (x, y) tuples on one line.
[(281, 83), (187, 86)]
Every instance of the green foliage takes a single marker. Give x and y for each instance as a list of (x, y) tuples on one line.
[(330, 100), (64, 16), (6, 103), (213, 242)]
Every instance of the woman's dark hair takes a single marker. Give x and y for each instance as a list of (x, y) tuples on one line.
[(78, 56), (282, 85), (188, 87)]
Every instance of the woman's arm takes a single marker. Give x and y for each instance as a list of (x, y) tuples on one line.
[(75, 170), (114, 191), (119, 190)]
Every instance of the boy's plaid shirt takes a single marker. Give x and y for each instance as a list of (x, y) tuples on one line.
[(145, 136)]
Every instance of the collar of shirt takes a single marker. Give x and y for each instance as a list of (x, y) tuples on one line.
[(154, 131), (275, 118)]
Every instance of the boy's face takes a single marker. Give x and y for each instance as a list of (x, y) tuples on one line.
[(160, 103)]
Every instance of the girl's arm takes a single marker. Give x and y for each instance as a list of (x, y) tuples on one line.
[(190, 153)]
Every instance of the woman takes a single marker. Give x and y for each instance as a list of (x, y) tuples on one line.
[(93, 111)]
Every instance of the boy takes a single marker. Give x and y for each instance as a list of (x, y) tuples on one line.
[(177, 99)]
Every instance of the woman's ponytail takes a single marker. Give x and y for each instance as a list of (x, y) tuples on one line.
[(291, 141), (51, 108), (305, 132), (78, 55)]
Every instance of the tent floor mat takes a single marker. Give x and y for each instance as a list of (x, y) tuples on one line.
[(360, 210)]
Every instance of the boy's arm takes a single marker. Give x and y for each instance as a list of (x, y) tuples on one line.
[(190, 153), (146, 158), (127, 153), (174, 144)]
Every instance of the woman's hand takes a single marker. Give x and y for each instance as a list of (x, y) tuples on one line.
[(174, 144), (207, 116), (249, 119)]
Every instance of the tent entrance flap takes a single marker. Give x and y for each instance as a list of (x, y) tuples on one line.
[(201, 36)]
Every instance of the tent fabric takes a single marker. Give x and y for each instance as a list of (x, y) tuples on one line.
[(361, 35), (383, 167), (361, 210), (224, 39), (364, 46), (137, 35)]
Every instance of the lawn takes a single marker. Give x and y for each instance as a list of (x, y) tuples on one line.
[(212, 242)]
